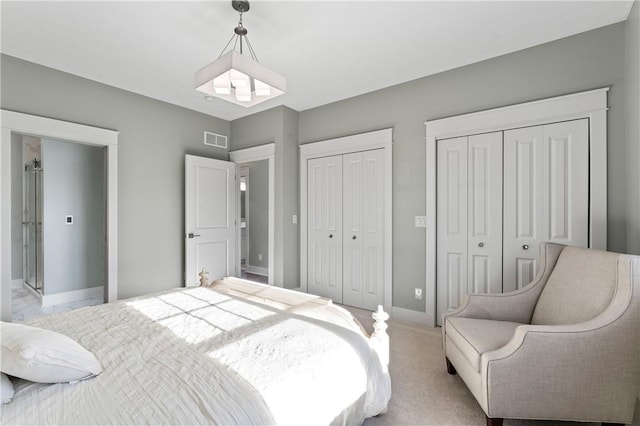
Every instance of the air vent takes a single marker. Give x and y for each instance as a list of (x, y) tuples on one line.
[(214, 139)]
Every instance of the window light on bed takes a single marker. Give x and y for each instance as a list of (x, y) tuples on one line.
[(197, 315), (238, 78)]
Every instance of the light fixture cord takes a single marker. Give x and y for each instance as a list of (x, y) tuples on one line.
[(240, 25), (228, 43), (253, 54), (240, 36)]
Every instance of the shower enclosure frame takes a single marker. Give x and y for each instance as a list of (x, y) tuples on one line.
[(33, 265)]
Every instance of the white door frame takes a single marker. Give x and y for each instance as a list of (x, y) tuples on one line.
[(248, 155), (78, 133), (591, 104), (243, 172), (345, 145)]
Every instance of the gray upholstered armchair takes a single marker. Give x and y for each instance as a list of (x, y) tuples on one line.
[(565, 347)]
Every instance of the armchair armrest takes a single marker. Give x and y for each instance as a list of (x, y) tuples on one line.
[(515, 306)]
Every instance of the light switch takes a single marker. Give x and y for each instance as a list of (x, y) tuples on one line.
[(421, 221)]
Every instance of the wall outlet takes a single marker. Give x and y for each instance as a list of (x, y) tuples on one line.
[(418, 294), (260, 257), (421, 221), (294, 219)]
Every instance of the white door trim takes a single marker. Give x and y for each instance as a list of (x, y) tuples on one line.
[(248, 155), (345, 145), (591, 104), (73, 132)]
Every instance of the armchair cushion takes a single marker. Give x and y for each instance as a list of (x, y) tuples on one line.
[(473, 337), (580, 287)]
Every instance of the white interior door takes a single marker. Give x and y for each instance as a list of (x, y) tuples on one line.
[(324, 227), (210, 218), (363, 229), (469, 209), (546, 175)]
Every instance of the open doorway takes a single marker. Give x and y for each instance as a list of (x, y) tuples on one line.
[(58, 225), (106, 142), (256, 201), (254, 221)]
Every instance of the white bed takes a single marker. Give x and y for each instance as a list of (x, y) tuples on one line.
[(233, 353)]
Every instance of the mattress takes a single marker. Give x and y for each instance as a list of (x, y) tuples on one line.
[(207, 356)]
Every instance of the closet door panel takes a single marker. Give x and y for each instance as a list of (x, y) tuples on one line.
[(324, 270), (363, 235), (566, 150), (315, 228), (353, 284), (373, 228), (485, 213), (451, 232), (523, 205)]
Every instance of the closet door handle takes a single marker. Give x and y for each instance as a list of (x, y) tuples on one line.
[(192, 235), (525, 247), (481, 245), (330, 235), (353, 238)]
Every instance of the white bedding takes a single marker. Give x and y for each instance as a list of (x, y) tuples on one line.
[(201, 356)]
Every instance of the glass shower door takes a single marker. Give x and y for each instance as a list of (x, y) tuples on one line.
[(32, 226)]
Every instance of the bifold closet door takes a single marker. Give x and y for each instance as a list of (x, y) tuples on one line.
[(469, 222), (363, 229), (546, 194), (324, 232)]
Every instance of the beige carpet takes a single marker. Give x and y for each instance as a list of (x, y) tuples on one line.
[(423, 392)]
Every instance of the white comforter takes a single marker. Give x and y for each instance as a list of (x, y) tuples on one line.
[(199, 356)]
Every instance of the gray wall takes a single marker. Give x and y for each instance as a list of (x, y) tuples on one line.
[(288, 162), (73, 184), (278, 125), (258, 213), (154, 137), (633, 128), (586, 61)]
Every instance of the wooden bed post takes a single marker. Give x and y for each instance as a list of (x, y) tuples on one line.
[(380, 339)]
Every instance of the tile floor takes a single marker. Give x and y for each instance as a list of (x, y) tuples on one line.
[(26, 305), (254, 277)]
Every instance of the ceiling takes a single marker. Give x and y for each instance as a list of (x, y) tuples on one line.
[(327, 50)]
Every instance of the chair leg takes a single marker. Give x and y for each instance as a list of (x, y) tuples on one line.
[(494, 421), (450, 368)]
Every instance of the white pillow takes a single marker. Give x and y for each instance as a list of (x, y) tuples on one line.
[(43, 355), (6, 389)]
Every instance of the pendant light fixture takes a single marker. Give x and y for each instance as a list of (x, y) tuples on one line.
[(236, 77)]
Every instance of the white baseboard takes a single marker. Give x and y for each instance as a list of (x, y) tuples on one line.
[(411, 316), (258, 270), (72, 296)]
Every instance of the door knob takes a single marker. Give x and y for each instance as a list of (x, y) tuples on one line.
[(525, 247), (353, 238), (481, 245), (330, 235), (191, 235)]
